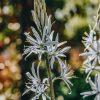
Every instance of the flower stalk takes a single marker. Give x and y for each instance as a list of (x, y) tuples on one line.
[(43, 43), (50, 77)]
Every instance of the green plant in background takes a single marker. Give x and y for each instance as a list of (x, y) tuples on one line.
[(76, 15), (43, 44)]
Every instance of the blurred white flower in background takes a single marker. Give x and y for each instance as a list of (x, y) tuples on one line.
[(89, 68), (93, 52), (95, 86), (88, 39)]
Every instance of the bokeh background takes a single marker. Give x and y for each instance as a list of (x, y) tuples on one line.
[(71, 17)]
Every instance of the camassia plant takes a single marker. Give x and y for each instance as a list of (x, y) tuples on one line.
[(47, 47), (91, 65)]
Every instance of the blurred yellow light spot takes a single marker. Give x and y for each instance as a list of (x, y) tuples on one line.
[(18, 76), (1, 86), (2, 66), (60, 98), (13, 69), (6, 10), (7, 40), (19, 41), (14, 26), (7, 63), (19, 56), (94, 1)]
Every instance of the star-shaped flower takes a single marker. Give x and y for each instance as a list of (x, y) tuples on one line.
[(88, 39), (55, 52), (66, 75), (36, 85), (37, 44), (93, 52), (89, 68), (43, 28), (95, 86)]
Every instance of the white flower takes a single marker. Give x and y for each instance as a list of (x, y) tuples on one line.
[(40, 91), (66, 75), (39, 41), (36, 85), (89, 68), (95, 86), (43, 24), (55, 52), (88, 39), (93, 52), (37, 45)]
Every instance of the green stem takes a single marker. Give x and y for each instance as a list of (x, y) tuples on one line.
[(57, 78), (50, 78)]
